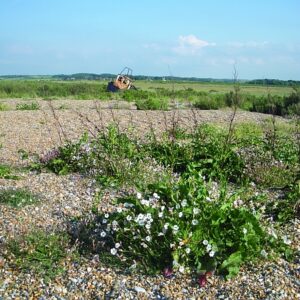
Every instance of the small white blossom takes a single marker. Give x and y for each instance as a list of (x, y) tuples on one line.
[(187, 250), (156, 196), (148, 238), (245, 231), (195, 222), (117, 245), (205, 242), (103, 234), (175, 228), (119, 210), (184, 203), (160, 234), (104, 221), (286, 240), (139, 195), (129, 218), (181, 269), (113, 251), (148, 226), (166, 226), (145, 202), (196, 210), (180, 215), (211, 253), (208, 199), (160, 214), (263, 253), (106, 216), (208, 247)]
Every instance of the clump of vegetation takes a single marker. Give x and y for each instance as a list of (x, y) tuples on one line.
[(191, 216), (3, 107), (40, 252), (28, 106), (17, 197), (6, 172)]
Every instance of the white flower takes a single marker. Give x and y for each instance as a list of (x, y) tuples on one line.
[(104, 221), (113, 251), (166, 226), (263, 253), (208, 248), (160, 214), (103, 234), (196, 210), (148, 226), (180, 215), (184, 203), (139, 195), (117, 245), (106, 216), (205, 242), (175, 228), (195, 222), (208, 199), (162, 208), (286, 240), (119, 210), (245, 231), (160, 234), (211, 253), (156, 196), (129, 218), (148, 216), (148, 238), (144, 245), (177, 206), (114, 223), (187, 250), (145, 202), (181, 269)]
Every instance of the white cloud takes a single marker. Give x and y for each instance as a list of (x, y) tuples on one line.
[(190, 44)]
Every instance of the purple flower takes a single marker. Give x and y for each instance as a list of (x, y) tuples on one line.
[(168, 272)]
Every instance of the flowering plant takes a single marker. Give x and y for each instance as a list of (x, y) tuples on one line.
[(190, 226)]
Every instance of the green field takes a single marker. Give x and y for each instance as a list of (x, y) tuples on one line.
[(219, 88), (162, 95)]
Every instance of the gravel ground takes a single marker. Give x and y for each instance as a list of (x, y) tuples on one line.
[(64, 197)]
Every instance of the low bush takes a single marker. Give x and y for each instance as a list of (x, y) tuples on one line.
[(17, 197), (28, 106), (40, 252)]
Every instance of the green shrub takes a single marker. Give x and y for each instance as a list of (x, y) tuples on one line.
[(3, 107), (152, 104), (190, 226), (6, 172), (40, 252), (28, 106), (17, 197)]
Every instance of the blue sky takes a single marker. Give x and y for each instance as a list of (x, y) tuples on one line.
[(159, 37)]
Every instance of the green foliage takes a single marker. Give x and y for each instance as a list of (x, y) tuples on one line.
[(192, 225), (6, 172), (40, 252), (152, 104), (28, 106), (3, 107), (17, 197)]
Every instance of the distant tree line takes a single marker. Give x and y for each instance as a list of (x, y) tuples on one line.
[(109, 76)]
